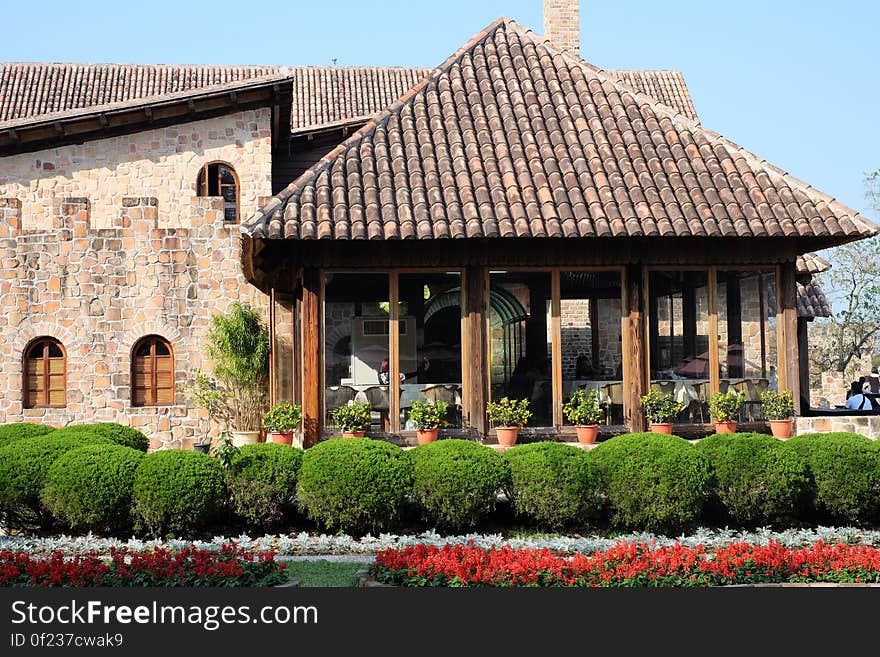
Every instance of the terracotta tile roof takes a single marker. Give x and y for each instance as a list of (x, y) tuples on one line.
[(512, 138), (811, 301), (810, 263), (321, 94)]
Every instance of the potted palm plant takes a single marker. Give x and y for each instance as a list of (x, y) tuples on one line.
[(508, 416), (661, 410), (353, 419), (778, 409), (724, 409), (235, 394), (428, 417), (583, 409), (281, 421)]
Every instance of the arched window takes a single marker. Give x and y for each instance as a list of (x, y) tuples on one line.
[(45, 374), (220, 179), (152, 372)]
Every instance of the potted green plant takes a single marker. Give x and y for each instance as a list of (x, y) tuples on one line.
[(724, 409), (583, 409), (281, 421), (778, 409), (428, 417), (508, 416), (353, 419), (235, 394), (660, 410)]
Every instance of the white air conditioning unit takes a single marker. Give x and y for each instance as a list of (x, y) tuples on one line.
[(369, 347)]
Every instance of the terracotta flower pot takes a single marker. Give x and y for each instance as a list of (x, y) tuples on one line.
[(280, 437), (241, 438), (507, 435), (587, 433), (725, 427), (661, 427), (781, 428), (353, 434), (427, 435)]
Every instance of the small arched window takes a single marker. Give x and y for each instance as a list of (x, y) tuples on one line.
[(152, 372), (220, 179), (45, 374)]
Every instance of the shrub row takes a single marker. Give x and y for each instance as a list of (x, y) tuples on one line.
[(83, 480)]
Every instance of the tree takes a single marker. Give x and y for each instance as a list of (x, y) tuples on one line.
[(853, 289)]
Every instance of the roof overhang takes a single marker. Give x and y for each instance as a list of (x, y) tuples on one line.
[(102, 121)]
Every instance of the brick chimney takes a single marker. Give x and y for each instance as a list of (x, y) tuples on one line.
[(562, 25)]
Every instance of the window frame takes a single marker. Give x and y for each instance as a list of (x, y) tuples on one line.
[(152, 390), (46, 341), (203, 186)]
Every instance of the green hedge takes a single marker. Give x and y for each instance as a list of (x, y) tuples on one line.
[(554, 485), (757, 479), (116, 433), (177, 492), (846, 472), (455, 482), (90, 488), (19, 430), (354, 484), (262, 483), (652, 482), (24, 465)]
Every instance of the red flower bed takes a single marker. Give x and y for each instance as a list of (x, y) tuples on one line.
[(627, 564), (231, 566)]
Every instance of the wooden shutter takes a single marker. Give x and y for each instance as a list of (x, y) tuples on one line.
[(45, 374), (152, 373)]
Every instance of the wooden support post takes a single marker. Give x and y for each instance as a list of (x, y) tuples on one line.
[(475, 370), (634, 364), (789, 347), (804, 363), (310, 344), (556, 350)]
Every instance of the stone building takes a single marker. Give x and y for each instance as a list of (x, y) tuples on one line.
[(122, 191)]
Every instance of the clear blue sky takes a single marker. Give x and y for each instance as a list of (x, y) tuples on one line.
[(794, 81)]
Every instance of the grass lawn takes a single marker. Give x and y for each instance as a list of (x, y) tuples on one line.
[(324, 573)]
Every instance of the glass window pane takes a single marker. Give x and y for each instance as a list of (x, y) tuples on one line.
[(520, 341), (230, 213), (162, 348), (213, 181), (356, 354), (55, 350), (226, 175), (228, 193), (430, 342), (679, 339), (747, 336), (592, 357), (143, 348), (282, 351)]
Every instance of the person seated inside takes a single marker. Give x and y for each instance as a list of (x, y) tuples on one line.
[(583, 368), (384, 375), (872, 382), (857, 401)]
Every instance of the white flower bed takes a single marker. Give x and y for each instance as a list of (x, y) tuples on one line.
[(306, 544)]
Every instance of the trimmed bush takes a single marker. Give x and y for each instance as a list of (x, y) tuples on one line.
[(89, 488), (554, 485), (846, 474), (354, 484), (653, 482), (455, 482), (116, 433), (177, 491), (24, 465), (262, 483), (757, 479), (18, 430)]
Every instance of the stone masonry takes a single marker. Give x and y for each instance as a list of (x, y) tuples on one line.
[(99, 291), (106, 242), (163, 163)]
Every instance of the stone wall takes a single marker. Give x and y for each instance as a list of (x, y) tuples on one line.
[(866, 425), (99, 290), (163, 164)]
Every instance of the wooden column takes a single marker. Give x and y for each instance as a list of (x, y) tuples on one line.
[(789, 347), (310, 346), (475, 368), (634, 363), (556, 350), (804, 363)]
